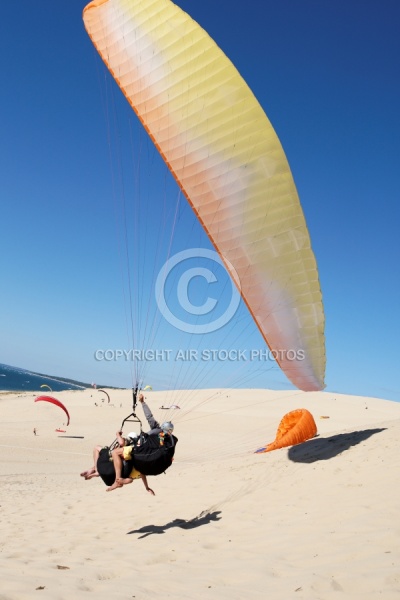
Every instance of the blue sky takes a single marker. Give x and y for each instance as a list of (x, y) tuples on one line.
[(326, 74)]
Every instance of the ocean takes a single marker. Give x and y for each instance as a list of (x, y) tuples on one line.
[(21, 380)]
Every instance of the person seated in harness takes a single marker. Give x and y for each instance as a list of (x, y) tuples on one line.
[(150, 454), (104, 467), (103, 458)]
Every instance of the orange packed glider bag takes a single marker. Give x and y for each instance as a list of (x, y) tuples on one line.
[(296, 427)]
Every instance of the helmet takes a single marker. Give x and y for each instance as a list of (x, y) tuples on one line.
[(133, 435), (167, 427)]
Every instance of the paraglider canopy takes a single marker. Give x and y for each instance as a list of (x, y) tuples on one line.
[(53, 401), (228, 161), (296, 427), (104, 392), (46, 386)]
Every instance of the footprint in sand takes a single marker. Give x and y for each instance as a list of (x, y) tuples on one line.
[(336, 586), (105, 576)]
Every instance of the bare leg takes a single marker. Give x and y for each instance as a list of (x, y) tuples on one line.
[(96, 452), (126, 481), (92, 472)]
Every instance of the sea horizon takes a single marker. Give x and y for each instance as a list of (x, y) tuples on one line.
[(17, 379)]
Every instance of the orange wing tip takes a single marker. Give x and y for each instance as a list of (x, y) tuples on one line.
[(296, 427), (94, 4)]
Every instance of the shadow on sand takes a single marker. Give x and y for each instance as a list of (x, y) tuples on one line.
[(203, 518), (326, 448)]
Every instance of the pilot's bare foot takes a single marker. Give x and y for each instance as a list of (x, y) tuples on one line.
[(115, 485), (87, 472)]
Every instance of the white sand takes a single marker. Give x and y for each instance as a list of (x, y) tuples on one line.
[(316, 521)]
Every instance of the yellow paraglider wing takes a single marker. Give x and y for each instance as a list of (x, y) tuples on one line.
[(222, 150)]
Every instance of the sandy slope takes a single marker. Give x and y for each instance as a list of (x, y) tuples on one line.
[(315, 521)]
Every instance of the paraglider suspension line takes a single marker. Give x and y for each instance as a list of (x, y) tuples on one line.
[(132, 417)]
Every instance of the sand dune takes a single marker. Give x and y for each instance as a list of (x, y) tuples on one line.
[(312, 521)]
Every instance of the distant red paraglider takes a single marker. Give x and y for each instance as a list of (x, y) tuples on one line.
[(53, 401)]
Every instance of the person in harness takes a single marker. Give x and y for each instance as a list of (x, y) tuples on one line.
[(150, 454), (152, 460)]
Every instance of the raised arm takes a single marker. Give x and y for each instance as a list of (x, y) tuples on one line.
[(153, 424), (120, 439)]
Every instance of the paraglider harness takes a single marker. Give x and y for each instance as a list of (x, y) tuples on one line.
[(152, 453), (132, 418)]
